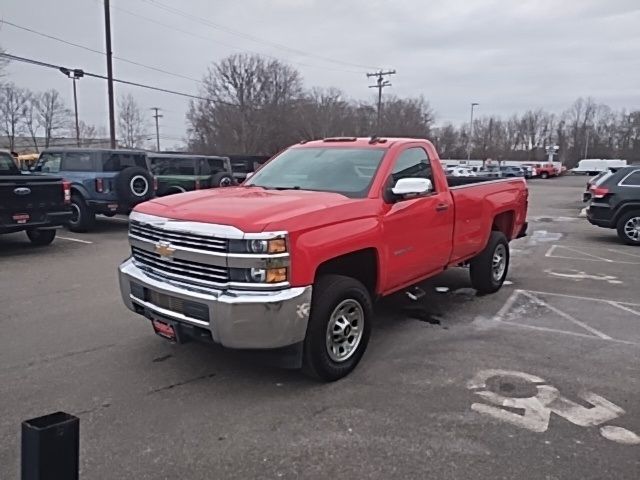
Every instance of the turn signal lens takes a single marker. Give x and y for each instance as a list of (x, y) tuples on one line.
[(276, 275), (277, 246)]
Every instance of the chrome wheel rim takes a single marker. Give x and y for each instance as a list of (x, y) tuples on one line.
[(225, 182), (139, 186), (75, 213), (632, 229), (344, 330), (499, 262)]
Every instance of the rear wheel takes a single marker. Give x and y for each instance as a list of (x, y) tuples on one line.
[(629, 228), (82, 217), (544, 175), (489, 269), (41, 237), (339, 327)]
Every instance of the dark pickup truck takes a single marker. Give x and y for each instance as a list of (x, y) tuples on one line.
[(33, 203)]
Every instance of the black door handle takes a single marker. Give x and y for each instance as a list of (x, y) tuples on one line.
[(441, 207)]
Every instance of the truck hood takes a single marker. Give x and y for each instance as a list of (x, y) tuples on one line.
[(251, 209)]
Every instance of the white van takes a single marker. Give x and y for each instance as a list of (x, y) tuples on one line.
[(593, 166)]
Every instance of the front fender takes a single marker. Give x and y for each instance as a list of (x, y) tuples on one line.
[(312, 248)]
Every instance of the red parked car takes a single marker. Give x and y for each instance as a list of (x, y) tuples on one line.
[(294, 258)]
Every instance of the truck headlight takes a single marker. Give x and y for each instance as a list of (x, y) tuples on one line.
[(258, 275), (277, 245)]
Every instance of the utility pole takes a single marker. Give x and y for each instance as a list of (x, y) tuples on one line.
[(471, 131), (74, 75), (380, 84), (586, 142), (157, 116), (112, 115)]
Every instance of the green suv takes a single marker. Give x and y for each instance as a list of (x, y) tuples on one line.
[(177, 173)]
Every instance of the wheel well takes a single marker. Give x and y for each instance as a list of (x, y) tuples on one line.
[(626, 209), (503, 222), (361, 265)]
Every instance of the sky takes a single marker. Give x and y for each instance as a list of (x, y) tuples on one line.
[(506, 55)]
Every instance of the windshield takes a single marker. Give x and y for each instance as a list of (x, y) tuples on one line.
[(7, 165), (348, 171)]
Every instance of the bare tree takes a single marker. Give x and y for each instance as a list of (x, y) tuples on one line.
[(13, 107), (31, 120), (131, 124), (252, 108), (88, 134), (53, 115)]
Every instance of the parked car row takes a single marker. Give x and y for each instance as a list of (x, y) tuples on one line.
[(109, 182)]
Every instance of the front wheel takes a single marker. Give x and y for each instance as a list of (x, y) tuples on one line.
[(544, 175), (41, 237), (489, 269), (628, 228), (339, 327)]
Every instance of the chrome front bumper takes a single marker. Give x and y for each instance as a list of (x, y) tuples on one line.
[(237, 319)]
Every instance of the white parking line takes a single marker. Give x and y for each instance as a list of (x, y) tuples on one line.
[(74, 239), (551, 253), (605, 300), (565, 315)]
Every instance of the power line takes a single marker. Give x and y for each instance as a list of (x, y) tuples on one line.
[(234, 47), (89, 49), (247, 36), (117, 80)]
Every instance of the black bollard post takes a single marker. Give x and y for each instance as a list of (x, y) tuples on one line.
[(51, 447)]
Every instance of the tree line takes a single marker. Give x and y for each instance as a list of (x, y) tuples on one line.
[(37, 119), (259, 106)]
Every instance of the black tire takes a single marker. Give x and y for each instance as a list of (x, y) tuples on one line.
[(134, 185), (544, 175), (330, 292), (222, 179), (624, 225), (484, 276), (41, 237), (83, 217)]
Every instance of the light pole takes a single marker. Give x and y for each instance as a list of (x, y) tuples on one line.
[(74, 75), (471, 130)]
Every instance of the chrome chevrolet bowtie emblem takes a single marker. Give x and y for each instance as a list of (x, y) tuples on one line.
[(164, 249)]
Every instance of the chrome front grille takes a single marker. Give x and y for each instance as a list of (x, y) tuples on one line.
[(179, 239), (184, 271)]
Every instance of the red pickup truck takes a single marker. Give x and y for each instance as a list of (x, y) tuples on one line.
[(293, 259)]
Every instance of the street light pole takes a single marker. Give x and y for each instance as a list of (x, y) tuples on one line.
[(471, 130), (75, 106), (74, 75)]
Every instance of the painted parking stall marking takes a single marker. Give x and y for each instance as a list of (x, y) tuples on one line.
[(607, 320), (504, 390)]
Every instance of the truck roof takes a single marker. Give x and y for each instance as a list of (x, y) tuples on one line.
[(360, 142)]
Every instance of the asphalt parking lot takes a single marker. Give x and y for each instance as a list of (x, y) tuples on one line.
[(539, 381)]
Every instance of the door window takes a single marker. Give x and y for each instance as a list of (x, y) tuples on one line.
[(413, 163), (77, 162), (633, 180), (49, 163)]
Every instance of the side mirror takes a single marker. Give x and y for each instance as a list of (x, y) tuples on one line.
[(412, 186)]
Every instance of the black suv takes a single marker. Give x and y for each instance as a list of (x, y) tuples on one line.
[(615, 203), (102, 181)]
